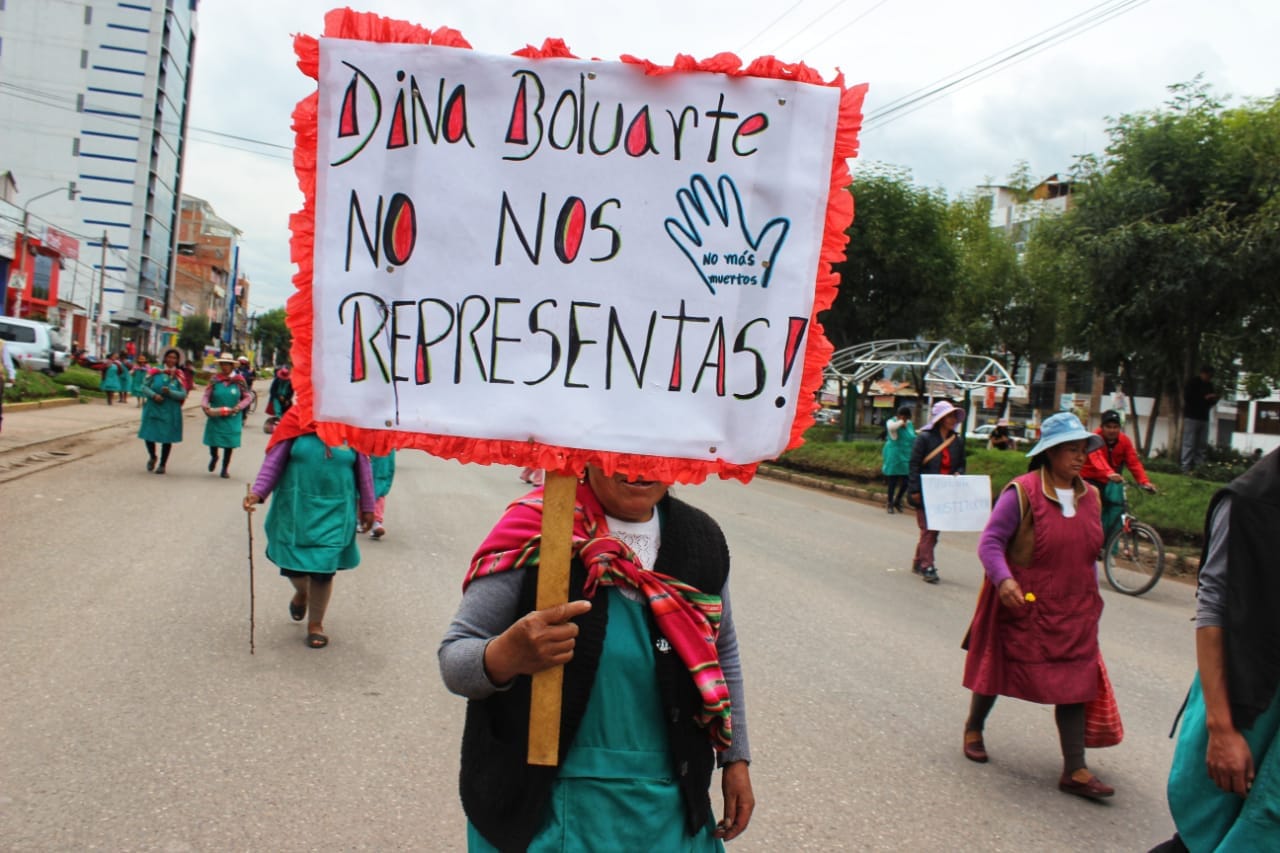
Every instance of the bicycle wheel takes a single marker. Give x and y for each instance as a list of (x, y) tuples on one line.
[(1134, 559)]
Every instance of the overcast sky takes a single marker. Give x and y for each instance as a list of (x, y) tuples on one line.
[(1045, 108)]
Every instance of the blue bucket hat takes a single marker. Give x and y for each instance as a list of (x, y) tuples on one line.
[(1064, 427)]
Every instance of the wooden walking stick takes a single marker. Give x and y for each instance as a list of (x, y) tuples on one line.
[(558, 495), (248, 491)]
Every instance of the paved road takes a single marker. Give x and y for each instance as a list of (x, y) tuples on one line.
[(132, 716)]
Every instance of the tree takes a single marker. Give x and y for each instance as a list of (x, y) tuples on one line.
[(194, 336), (1005, 306), (1169, 255), (900, 274), (272, 336)]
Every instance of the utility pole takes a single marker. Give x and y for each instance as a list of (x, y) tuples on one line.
[(102, 287), (20, 262)]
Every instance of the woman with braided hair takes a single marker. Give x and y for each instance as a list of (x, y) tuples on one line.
[(652, 696)]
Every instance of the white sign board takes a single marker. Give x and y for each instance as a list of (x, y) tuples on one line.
[(565, 251), (956, 502)]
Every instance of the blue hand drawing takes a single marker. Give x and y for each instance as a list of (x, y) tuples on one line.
[(714, 220)]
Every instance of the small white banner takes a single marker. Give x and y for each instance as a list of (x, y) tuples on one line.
[(956, 502)]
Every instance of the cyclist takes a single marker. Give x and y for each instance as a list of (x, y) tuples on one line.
[(1104, 468)]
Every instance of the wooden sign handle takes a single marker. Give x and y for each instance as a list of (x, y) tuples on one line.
[(559, 493)]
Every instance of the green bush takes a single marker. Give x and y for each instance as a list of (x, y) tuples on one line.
[(81, 377), (32, 385)]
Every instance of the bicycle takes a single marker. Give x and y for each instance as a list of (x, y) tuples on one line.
[(1133, 556)]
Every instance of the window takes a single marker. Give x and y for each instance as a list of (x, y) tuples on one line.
[(75, 147), (88, 14), (84, 59), (17, 334), (40, 281)]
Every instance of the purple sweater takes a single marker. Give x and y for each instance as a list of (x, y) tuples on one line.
[(278, 457), (996, 536)]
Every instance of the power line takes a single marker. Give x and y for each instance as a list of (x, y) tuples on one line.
[(1014, 54), (837, 32), (769, 26)]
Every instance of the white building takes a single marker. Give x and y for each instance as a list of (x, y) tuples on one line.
[(96, 92)]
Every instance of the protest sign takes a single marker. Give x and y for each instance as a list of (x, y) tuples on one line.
[(956, 502), (539, 260)]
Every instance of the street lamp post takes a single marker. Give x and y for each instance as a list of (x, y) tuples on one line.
[(20, 262)]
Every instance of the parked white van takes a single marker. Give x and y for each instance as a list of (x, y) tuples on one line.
[(34, 345)]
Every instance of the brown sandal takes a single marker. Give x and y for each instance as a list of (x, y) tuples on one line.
[(974, 748)]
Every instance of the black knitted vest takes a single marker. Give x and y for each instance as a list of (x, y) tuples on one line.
[(504, 797)]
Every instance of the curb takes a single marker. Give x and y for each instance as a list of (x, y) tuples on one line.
[(65, 436), (51, 403), (775, 472)]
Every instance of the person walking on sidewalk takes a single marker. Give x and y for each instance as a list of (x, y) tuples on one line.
[(138, 378), (900, 438), (162, 414), (224, 399), (938, 449), (1198, 399), (312, 523), (114, 378), (384, 471), (1034, 633)]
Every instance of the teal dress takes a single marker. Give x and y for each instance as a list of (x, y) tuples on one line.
[(224, 431), (616, 790), (896, 454), (162, 421), (137, 381), (311, 524), (1207, 817), (113, 378)]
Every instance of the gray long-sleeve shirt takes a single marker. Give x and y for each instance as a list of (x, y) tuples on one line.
[(488, 607)]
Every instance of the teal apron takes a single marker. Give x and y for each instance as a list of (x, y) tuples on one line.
[(311, 524), (1207, 817), (220, 431), (617, 790)]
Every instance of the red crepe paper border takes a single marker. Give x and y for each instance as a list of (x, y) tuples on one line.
[(367, 26)]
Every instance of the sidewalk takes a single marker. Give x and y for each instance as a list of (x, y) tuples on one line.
[(24, 427)]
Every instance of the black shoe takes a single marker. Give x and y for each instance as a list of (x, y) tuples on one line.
[(213, 463), (151, 464), (160, 469), (931, 575), (889, 509), (915, 568), (224, 475)]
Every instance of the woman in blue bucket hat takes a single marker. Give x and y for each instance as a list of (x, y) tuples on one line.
[(1034, 634)]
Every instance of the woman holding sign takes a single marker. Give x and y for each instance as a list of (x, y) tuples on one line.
[(652, 697), (1034, 635), (939, 449)]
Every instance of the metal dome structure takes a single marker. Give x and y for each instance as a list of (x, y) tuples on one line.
[(947, 368)]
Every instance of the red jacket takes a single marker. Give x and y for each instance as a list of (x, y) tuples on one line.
[(1106, 460)]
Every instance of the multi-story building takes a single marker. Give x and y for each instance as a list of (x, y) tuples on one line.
[(205, 271), (96, 93)]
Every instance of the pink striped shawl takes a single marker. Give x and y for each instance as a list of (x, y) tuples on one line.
[(687, 617)]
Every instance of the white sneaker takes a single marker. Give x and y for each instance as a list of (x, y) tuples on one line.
[(378, 531)]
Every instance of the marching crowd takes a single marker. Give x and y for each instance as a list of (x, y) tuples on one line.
[(652, 676)]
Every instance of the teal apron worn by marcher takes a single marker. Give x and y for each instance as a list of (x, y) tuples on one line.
[(311, 523)]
